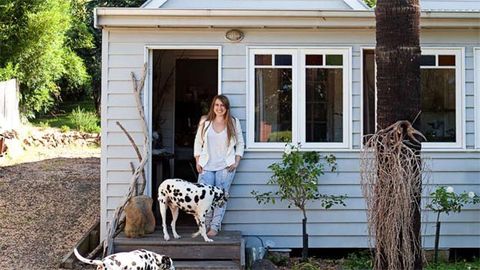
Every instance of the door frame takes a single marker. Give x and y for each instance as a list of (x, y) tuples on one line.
[(148, 90)]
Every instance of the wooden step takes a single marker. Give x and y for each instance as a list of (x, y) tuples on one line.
[(206, 265), (227, 245)]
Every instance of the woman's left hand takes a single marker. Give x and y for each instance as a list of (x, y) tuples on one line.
[(233, 167)]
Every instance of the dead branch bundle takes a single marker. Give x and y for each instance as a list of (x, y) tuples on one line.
[(136, 187), (391, 183)]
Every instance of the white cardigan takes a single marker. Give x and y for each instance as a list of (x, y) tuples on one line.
[(235, 148)]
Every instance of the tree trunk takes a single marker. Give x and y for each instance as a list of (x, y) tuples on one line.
[(305, 239), (398, 80)]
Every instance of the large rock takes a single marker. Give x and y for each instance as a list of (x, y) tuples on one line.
[(139, 219)]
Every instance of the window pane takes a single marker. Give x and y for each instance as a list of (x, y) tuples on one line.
[(283, 60), (263, 60), (324, 105), (368, 92), (446, 60), (273, 105), (334, 60), (438, 105), (314, 60), (427, 60)]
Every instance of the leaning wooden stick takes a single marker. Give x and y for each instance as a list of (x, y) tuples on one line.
[(118, 221)]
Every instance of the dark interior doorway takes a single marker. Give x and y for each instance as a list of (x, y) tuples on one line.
[(184, 83)]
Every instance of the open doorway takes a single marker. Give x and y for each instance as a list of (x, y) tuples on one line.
[(184, 82)]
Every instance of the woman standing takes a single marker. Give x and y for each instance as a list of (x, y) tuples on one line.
[(218, 149)]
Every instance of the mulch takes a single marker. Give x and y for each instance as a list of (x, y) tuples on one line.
[(45, 208)]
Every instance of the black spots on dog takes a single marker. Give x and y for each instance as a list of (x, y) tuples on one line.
[(188, 199), (196, 199), (189, 206), (169, 189), (199, 185), (203, 194), (134, 263), (211, 192), (188, 189)]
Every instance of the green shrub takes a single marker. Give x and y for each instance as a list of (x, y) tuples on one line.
[(65, 128), (84, 121), (460, 265), (280, 136), (358, 261), (310, 264), (43, 125), (278, 259)]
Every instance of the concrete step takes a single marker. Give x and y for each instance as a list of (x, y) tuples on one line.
[(206, 265)]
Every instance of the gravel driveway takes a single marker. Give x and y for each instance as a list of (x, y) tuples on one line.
[(45, 208)]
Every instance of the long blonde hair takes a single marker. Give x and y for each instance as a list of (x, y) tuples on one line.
[(228, 117)]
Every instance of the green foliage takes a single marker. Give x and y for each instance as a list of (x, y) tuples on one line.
[(358, 261), (79, 116), (280, 136), (278, 259), (297, 179), (84, 121), (460, 265), (309, 264), (8, 72), (33, 44), (370, 3), (445, 200), (65, 128)]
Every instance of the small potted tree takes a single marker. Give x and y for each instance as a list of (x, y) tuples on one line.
[(445, 200), (297, 178)]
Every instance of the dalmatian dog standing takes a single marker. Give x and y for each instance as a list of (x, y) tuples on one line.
[(137, 259), (194, 198)]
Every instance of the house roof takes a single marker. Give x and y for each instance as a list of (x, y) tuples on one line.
[(258, 4), (284, 14)]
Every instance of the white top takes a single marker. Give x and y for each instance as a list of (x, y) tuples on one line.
[(217, 147), (235, 148)]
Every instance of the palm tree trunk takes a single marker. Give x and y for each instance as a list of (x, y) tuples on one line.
[(398, 80)]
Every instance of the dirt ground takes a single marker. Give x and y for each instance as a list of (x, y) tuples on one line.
[(49, 199)]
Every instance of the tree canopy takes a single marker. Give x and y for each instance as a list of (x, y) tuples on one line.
[(52, 49)]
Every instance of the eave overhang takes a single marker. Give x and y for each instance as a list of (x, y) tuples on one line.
[(258, 19)]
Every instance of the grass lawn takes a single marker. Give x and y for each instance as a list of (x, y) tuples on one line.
[(79, 116)]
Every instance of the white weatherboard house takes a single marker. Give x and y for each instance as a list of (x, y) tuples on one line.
[(300, 70)]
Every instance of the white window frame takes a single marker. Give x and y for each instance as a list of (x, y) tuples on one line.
[(298, 95), (346, 110), (251, 94), (362, 96), (476, 87), (459, 96)]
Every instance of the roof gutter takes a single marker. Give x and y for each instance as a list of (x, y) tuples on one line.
[(285, 19)]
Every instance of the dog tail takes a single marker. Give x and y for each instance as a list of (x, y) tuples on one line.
[(85, 260)]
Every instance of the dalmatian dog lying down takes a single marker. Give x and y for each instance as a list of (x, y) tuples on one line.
[(137, 259), (194, 198)]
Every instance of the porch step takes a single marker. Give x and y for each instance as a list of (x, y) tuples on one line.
[(206, 265), (225, 252)]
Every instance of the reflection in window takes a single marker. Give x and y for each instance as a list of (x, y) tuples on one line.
[(438, 105), (273, 104), (369, 92), (324, 105)]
